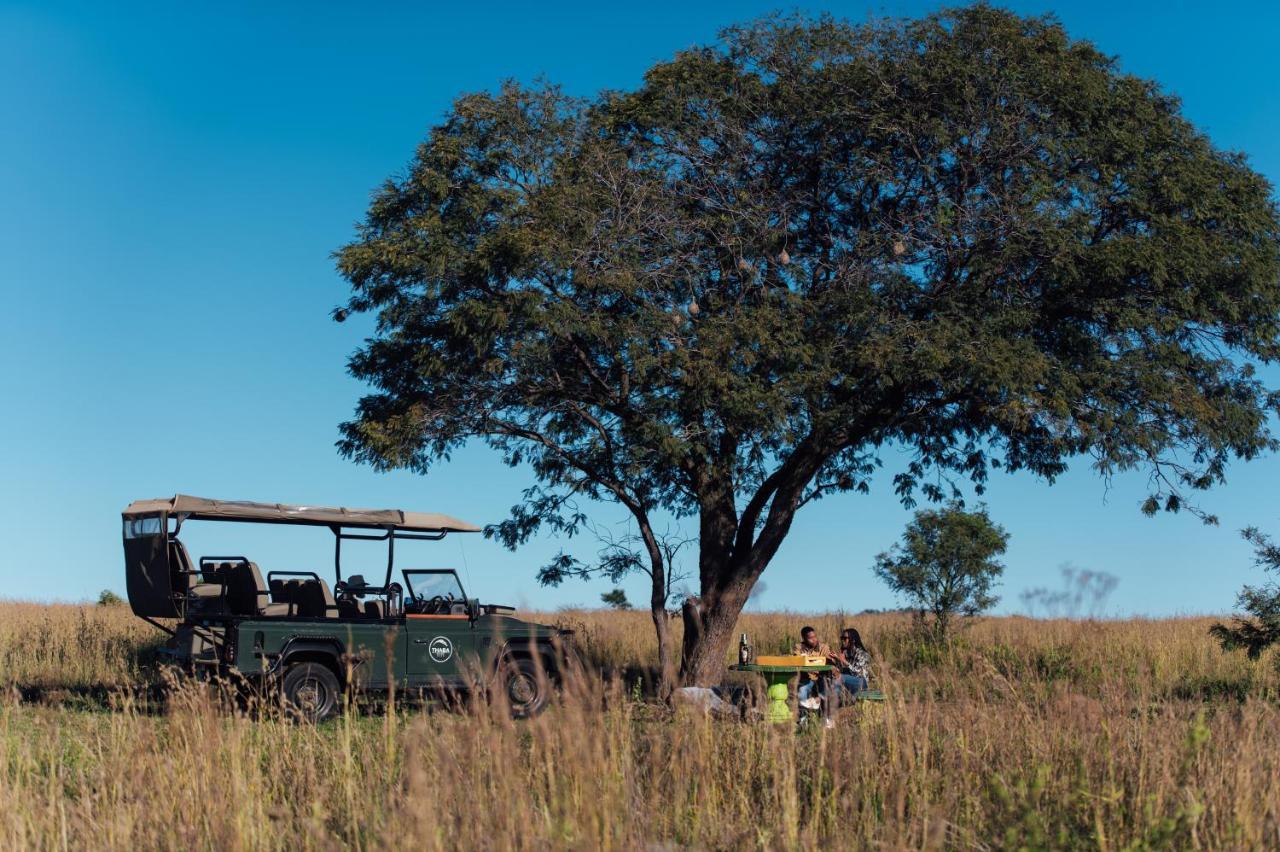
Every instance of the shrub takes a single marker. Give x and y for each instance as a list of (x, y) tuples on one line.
[(945, 565)]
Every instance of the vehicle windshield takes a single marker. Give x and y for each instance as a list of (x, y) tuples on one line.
[(425, 585)]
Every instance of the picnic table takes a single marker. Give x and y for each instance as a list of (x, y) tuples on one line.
[(779, 678)]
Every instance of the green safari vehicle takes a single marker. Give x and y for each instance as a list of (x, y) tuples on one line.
[(290, 629)]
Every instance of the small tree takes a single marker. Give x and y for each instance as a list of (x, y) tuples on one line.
[(619, 556), (945, 564), (109, 598), (616, 599), (1262, 630)]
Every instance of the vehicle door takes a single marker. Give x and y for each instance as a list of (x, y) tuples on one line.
[(441, 643), (374, 652)]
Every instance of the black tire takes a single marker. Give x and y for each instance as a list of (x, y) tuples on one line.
[(525, 687), (312, 691)]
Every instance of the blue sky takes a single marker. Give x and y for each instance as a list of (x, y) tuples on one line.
[(174, 178)]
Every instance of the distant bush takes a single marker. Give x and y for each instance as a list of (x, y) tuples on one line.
[(1211, 688), (617, 599), (109, 598), (1261, 629)]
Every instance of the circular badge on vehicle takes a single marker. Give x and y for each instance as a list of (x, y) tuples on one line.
[(440, 649)]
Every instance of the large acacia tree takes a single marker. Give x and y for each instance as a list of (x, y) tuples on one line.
[(723, 294)]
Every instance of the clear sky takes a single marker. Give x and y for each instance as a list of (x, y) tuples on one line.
[(174, 178)]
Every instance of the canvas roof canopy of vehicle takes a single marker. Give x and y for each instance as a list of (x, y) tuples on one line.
[(202, 508), (160, 574)]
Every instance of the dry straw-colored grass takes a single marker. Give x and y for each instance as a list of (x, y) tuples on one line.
[(1136, 734)]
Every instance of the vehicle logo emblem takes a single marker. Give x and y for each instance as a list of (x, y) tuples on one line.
[(440, 649)]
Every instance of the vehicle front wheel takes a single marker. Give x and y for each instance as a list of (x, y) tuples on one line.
[(525, 687), (312, 691)]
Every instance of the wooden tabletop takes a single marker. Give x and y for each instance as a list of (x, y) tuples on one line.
[(755, 667)]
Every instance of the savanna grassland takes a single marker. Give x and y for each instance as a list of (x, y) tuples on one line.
[(1023, 733)]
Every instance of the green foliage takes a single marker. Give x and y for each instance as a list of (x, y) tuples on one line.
[(946, 564), (109, 598), (1021, 803), (910, 651), (1261, 629), (1215, 688), (725, 293), (1057, 662), (616, 599)]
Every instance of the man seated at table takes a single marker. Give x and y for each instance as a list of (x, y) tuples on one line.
[(809, 645)]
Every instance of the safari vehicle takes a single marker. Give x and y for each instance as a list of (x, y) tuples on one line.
[(289, 628)]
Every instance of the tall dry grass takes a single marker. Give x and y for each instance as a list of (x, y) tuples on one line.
[(1034, 734), (62, 645)]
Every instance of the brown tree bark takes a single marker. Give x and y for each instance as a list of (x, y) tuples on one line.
[(733, 552), (666, 665), (709, 623), (658, 602)]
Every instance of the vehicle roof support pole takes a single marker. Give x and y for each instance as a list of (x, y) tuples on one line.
[(337, 554), (391, 555)]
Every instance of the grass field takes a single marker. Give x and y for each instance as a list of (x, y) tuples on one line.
[(1034, 734)]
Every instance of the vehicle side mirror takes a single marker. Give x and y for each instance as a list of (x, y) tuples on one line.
[(473, 608)]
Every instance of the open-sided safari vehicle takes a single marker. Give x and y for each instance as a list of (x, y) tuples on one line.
[(290, 628)]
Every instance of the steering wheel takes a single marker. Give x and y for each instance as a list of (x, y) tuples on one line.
[(435, 605)]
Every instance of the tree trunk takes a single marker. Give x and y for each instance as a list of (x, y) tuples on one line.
[(733, 552), (659, 572), (666, 665), (708, 631)]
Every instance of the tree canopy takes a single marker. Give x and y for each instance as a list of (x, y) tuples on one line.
[(724, 293)]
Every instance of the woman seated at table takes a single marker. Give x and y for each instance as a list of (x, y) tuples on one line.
[(854, 661)]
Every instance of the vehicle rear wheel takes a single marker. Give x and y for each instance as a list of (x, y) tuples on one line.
[(526, 687), (312, 691)]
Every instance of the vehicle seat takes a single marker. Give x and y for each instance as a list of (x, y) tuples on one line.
[(180, 561), (284, 593), (185, 579), (373, 609), (315, 600), (213, 572), (246, 591), (350, 604)]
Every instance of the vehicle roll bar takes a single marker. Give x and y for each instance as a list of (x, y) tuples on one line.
[(389, 536)]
